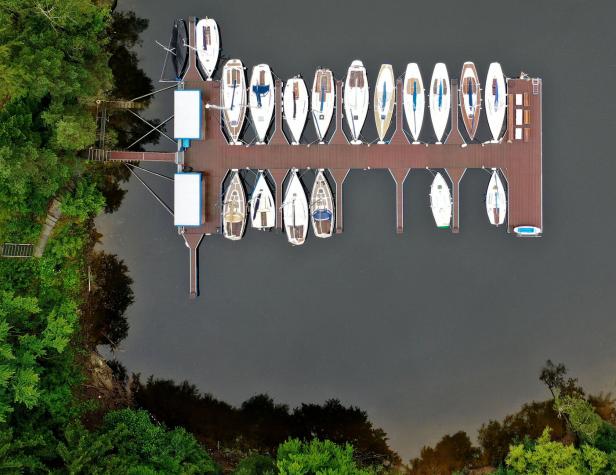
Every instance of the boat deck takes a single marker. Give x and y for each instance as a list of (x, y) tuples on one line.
[(518, 156)]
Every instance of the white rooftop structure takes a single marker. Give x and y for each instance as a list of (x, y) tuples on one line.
[(187, 114), (187, 199)]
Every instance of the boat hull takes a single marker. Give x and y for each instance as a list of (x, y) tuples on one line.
[(261, 100), (496, 200), (527, 231), (234, 209), (470, 98), (233, 98), (440, 100), (323, 98), (208, 45), (495, 94), (414, 100), (295, 106), (322, 207), (262, 205), (440, 202), (179, 44), (295, 211), (356, 99), (384, 100)]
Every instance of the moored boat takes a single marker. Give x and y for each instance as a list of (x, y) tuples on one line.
[(323, 98), (261, 100), (527, 231), (440, 100), (295, 106), (414, 99), (322, 207), (495, 100), (440, 201), (208, 45), (179, 47), (234, 209), (356, 99), (295, 211), (384, 100), (262, 205), (496, 200), (234, 98), (470, 98)]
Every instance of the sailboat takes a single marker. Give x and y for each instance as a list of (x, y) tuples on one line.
[(496, 200), (179, 47), (234, 98), (356, 99), (414, 100), (440, 100), (384, 100), (208, 45), (470, 98), (440, 201), (496, 100), (295, 211), (261, 100), (262, 206), (323, 97), (322, 207), (234, 209), (295, 105)]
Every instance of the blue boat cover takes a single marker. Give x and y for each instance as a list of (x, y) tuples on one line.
[(322, 215), (260, 90), (440, 95), (384, 96), (414, 95)]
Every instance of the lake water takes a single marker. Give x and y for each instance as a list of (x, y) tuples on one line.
[(429, 332)]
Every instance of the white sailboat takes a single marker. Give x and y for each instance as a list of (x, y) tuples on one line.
[(322, 207), (495, 99), (470, 98), (234, 98), (356, 99), (262, 205), (323, 98), (440, 201), (414, 100), (234, 209), (261, 100), (384, 100), (295, 211), (295, 102), (496, 200), (208, 45), (440, 100)]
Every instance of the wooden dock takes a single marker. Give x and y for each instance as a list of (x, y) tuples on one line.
[(518, 156)]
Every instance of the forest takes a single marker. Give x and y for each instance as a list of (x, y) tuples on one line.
[(64, 409)]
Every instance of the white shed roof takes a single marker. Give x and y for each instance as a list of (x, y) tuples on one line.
[(187, 199), (187, 114)]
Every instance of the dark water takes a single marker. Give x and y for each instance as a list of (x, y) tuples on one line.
[(428, 331)]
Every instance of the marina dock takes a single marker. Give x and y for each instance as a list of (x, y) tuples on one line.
[(518, 156)]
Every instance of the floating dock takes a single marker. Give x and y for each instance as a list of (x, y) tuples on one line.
[(518, 156)]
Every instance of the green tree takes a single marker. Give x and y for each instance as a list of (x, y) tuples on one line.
[(452, 453), (256, 465)]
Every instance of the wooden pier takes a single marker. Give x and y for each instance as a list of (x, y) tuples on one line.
[(518, 156)]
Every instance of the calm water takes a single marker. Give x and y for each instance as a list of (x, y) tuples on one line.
[(428, 331)]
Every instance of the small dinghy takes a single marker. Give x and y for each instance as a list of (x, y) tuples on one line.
[(440, 100), (414, 100), (295, 108), (323, 98), (262, 207), (234, 98), (470, 98), (496, 200), (234, 209), (440, 201), (356, 99), (496, 100), (261, 100), (208, 45), (384, 100), (527, 231), (295, 211), (322, 207), (179, 47)]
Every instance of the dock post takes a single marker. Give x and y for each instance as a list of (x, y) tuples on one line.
[(456, 174), (278, 175), (399, 175), (192, 242), (339, 177)]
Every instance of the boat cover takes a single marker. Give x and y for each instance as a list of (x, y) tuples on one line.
[(322, 215)]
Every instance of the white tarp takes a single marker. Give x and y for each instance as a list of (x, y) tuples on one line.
[(187, 196), (187, 114)]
